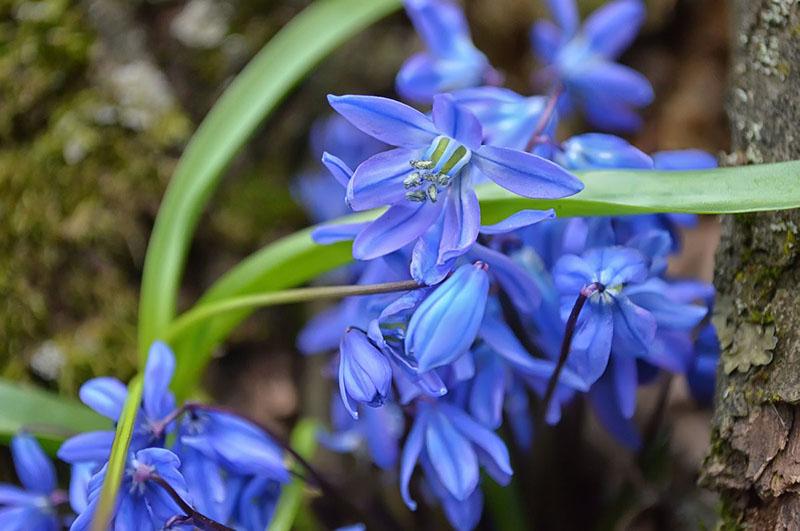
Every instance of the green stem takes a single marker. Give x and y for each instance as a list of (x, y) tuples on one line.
[(249, 302)]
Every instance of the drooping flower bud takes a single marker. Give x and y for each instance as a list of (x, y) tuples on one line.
[(446, 323), (365, 375)]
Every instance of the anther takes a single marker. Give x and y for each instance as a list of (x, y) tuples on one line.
[(422, 164), (442, 179), (417, 196), (432, 192), (412, 181)]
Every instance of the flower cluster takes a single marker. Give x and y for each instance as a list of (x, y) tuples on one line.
[(510, 320), (192, 465), (508, 323)]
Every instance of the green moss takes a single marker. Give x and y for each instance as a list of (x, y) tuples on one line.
[(77, 190)]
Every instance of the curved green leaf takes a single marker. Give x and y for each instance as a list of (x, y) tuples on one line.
[(119, 456), (296, 259), (48, 416), (284, 61)]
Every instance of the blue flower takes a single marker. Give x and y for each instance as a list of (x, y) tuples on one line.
[(582, 60), (233, 443), (450, 62), (365, 375), (34, 507), (107, 396), (591, 151), (463, 515), (428, 179), (446, 323), (609, 317), (508, 119), (142, 503), (455, 444)]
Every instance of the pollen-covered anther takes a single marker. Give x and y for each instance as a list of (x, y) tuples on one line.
[(433, 193), (412, 181), (418, 196), (422, 164)]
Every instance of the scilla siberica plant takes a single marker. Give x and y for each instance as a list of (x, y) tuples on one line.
[(477, 319)]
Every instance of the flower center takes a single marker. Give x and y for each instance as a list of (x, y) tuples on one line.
[(433, 174)]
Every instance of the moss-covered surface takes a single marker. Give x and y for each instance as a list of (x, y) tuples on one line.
[(77, 191)]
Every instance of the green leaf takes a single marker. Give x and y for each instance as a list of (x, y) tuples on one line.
[(266, 80), (296, 259), (48, 416), (304, 442), (119, 456)]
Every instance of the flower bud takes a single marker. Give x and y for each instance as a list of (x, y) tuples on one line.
[(364, 372)]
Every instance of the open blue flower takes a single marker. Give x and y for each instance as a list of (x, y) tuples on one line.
[(581, 58), (455, 444), (450, 62), (142, 503), (107, 396), (33, 507), (609, 318), (428, 178)]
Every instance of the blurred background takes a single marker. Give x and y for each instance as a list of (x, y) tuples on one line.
[(97, 100)]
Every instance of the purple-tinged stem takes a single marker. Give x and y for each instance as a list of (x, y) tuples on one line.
[(198, 519), (566, 343), (544, 118)]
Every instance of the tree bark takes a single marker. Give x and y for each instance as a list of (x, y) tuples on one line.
[(754, 461)]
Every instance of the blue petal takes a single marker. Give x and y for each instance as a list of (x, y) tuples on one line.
[(17, 518), (337, 232), (378, 180), (157, 399), (525, 174), (464, 515), (462, 218), (546, 39), (605, 406), (488, 390), (323, 331), (591, 344), (597, 150), (613, 27), (441, 24), (617, 265), (451, 455), (388, 120), (623, 370), (456, 121), (93, 446), (34, 469), (425, 268), (79, 478), (684, 159), (106, 395), (571, 273), (615, 82), (669, 314), (382, 430), (457, 304), (398, 226), (518, 220), (634, 327), (609, 114), (13, 495), (410, 455), (565, 14), (498, 464), (513, 279), (340, 171)]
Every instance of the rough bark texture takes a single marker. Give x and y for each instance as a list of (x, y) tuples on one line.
[(755, 457)]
